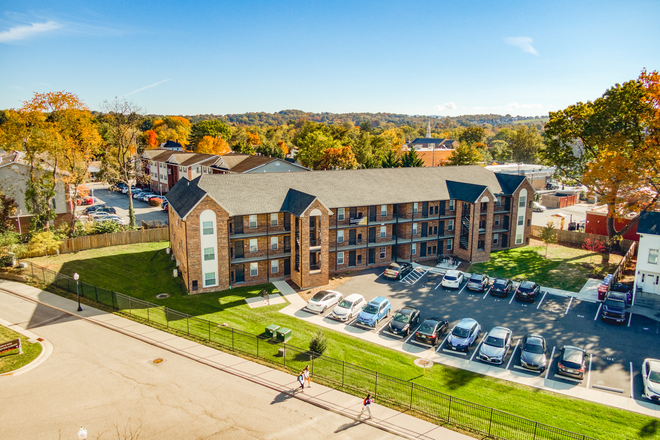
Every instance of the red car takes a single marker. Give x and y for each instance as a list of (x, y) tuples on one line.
[(85, 201)]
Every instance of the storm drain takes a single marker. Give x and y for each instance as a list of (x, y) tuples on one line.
[(162, 296)]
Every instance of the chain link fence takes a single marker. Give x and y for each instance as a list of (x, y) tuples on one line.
[(401, 394)]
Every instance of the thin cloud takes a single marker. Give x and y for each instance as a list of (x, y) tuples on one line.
[(147, 87), (523, 43), (22, 32), (447, 106)]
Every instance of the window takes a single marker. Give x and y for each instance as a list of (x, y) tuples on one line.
[(340, 214), (382, 253), (194, 285), (519, 239), (54, 204), (497, 220), (413, 249), (254, 269), (209, 254), (529, 222), (207, 228), (197, 170), (340, 236), (653, 256), (253, 245), (274, 266), (209, 279), (436, 209), (415, 208), (273, 243), (522, 202), (340, 258), (450, 225), (383, 231), (450, 243), (521, 220), (452, 205), (498, 202), (496, 238), (253, 222), (414, 229), (383, 210)]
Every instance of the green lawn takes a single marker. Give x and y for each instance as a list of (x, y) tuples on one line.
[(11, 360), (563, 268), (229, 307)]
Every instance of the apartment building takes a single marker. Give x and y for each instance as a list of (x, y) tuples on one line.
[(253, 228)]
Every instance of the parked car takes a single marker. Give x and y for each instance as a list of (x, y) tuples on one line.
[(112, 218), (91, 209), (651, 379), (572, 362), (478, 282), (537, 207), (102, 212), (502, 287), (396, 271), (615, 307), (496, 345), (348, 307), (165, 205), (323, 300), (528, 291), (452, 279), (463, 335), (430, 331), (533, 352), (404, 321), (85, 200), (551, 186), (377, 309)]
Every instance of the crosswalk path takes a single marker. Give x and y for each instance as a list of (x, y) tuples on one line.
[(414, 276)]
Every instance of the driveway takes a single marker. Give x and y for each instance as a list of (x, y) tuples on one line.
[(119, 201)]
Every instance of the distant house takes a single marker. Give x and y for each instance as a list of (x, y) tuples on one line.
[(434, 152), (433, 143), (171, 145), (597, 223), (647, 271)]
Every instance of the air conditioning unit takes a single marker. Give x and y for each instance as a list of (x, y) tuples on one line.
[(178, 263), (175, 273), (168, 250)]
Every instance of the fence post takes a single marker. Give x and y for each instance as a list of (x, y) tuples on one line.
[(376, 386), (167, 321), (43, 274), (32, 266), (96, 294), (148, 318), (449, 412), (412, 388), (257, 338), (209, 330), (284, 355), (112, 295), (490, 423), (536, 425), (188, 325), (232, 338), (68, 286), (343, 372), (312, 356), (130, 309)]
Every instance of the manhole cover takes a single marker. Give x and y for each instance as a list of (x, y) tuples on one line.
[(158, 361), (162, 296)]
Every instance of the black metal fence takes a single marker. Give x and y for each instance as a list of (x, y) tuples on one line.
[(400, 394)]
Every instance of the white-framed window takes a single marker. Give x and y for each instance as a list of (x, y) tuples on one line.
[(653, 256), (414, 228), (340, 236), (522, 201), (209, 254), (181, 169), (415, 207), (197, 170), (498, 201), (254, 269), (273, 243), (383, 253), (450, 224), (253, 245), (413, 249), (519, 239), (497, 220), (274, 266), (273, 219), (450, 243), (383, 210), (496, 238), (207, 228), (340, 258), (253, 222), (521, 220), (340, 214), (452, 205), (383, 231), (209, 279)]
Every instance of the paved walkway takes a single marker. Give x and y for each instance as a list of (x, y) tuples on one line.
[(330, 399)]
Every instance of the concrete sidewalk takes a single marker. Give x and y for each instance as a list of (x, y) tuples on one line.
[(330, 399)]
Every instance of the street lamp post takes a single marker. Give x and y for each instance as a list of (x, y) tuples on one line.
[(76, 277), (82, 434)]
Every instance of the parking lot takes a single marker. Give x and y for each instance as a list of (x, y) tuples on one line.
[(119, 201), (614, 352)]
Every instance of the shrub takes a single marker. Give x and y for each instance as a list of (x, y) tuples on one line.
[(155, 202), (106, 227), (44, 242), (319, 343)]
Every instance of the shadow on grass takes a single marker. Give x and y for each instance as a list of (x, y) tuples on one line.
[(650, 429)]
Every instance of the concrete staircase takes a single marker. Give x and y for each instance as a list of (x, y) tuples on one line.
[(647, 304)]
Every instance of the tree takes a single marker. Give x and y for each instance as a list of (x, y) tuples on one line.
[(253, 138), (213, 145), (500, 150), (172, 128), (8, 209), (472, 135), (151, 139), (549, 236), (525, 143), (312, 146), (465, 154), (213, 128), (391, 160), (594, 245), (337, 158), (410, 159), (121, 126)]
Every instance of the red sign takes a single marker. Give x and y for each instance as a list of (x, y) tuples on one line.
[(11, 345)]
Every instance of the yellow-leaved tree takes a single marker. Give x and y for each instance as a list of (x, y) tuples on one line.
[(213, 145)]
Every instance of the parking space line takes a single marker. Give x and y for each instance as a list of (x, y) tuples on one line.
[(476, 349), (541, 302), (569, 379), (603, 387), (461, 291), (513, 353), (443, 343), (552, 356), (439, 284), (630, 319), (632, 382), (569, 306), (486, 294), (381, 274), (598, 312), (591, 356), (512, 297), (455, 352)]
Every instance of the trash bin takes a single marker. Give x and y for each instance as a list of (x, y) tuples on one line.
[(602, 292), (271, 329), (283, 334)]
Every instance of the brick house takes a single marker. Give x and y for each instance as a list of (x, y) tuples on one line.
[(254, 228)]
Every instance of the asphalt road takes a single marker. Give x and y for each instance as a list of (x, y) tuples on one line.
[(119, 201), (99, 378)]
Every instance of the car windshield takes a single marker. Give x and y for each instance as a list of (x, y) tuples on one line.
[(319, 295), (450, 278), (499, 283), (427, 327), (346, 304), (494, 342), (476, 278), (371, 309), (614, 302), (393, 266), (526, 287), (533, 348), (460, 332), (654, 376), (403, 316)]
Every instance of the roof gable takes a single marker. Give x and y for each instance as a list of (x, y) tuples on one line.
[(509, 182), (465, 192), (184, 196)]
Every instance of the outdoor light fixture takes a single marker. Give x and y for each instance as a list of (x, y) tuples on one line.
[(76, 277), (82, 434)]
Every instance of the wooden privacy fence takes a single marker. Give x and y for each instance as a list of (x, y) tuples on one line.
[(576, 237)]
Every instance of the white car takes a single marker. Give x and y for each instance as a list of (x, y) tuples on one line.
[(452, 279), (537, 207), (323, 300), (112, 218), (349, 307), (651, 379)]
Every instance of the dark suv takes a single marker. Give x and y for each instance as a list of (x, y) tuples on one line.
[(614, 307), (528, 291), (502, 287)]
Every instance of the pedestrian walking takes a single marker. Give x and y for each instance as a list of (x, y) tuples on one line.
[(301, 380), (366, 404), (307, 379)]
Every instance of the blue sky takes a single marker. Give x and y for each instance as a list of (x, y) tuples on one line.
[(421, 57)]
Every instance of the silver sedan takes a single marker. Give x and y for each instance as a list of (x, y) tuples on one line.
[(496, 345)]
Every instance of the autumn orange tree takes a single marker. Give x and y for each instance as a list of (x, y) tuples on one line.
[(337, 158), (172, 128), (150, 139), (213, 145)]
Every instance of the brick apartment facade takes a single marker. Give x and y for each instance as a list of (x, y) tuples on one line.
[(254, 228)]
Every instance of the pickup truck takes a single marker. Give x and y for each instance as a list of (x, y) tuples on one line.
[(616, 304)]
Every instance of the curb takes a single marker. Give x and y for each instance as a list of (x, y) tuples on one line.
[(46, 347)]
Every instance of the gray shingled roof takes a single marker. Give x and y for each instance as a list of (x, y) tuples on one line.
[(244, 194), (509, 182), (465, 192), (297, 202), (649, 223)]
